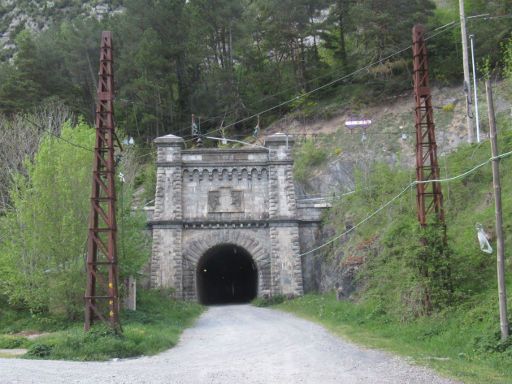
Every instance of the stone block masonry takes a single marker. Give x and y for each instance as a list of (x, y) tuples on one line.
[(240, 198)]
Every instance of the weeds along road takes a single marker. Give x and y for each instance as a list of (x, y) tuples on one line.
[(236, 345)]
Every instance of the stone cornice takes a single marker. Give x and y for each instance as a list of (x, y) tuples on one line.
[(218, 224), (217, 151), (169, 141), (230, 163)]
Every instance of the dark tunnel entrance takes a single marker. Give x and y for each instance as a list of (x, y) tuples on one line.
[(226, 274)]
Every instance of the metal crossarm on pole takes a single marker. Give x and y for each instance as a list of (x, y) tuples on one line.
[(429, 197), (101, 295)]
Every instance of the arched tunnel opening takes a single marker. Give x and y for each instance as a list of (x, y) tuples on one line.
[(226, 274)]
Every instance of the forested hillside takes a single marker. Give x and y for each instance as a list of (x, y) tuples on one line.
[(230, 59), (231, 63), (37, 16), (236, 64)]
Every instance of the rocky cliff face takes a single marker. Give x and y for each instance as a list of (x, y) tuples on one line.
[(389, 139), (38, 15)]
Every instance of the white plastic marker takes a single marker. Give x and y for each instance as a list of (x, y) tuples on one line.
[(482, 239)]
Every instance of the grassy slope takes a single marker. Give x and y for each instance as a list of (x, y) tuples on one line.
[(461, 341), (448, 342), (154, 327)]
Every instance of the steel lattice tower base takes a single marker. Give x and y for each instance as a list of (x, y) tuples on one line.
[(429, 197), (101, 295)]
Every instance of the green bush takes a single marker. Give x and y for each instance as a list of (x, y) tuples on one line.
[(39, 350), (149, 182), (411, 274), (401, 279), (154, 327), (45, 232), (492, 343), (10, 342), (307, 156)]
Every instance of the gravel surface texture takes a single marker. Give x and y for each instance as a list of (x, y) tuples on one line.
[(236, 344)]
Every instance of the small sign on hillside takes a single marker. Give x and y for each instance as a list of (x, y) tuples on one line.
[(358, 123)]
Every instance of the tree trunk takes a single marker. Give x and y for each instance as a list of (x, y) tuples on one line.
[(342, 12), (224, 47), (302, 64), (183, 94)]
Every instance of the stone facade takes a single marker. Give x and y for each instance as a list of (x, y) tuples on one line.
[(241, 197)]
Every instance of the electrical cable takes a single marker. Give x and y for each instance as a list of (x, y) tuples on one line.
[(312, 91), (330, 241), (221, 139), (328, 84), (358, 224), (324, 197), (462, 175), (55, 135), (437, 32), (67, 141), (337, 71), (485, 17)]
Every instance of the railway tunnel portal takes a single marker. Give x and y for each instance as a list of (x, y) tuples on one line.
[(226, 225)]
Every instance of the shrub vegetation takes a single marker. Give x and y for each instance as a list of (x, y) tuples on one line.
[(154, 327)]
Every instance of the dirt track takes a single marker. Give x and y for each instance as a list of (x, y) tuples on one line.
[(238, 345)]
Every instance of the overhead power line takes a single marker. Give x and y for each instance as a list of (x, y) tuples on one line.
[(208, 119), (55, 135), (332, 82), (437, 31), (389, 202)]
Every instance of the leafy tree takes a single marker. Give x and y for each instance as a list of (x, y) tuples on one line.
[(222, 26), (224, 60), (383, 26), (339, 26), (156, 64), (20, 135), (21, 88), (42, 257)]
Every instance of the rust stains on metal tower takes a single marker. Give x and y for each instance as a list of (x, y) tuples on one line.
[(429, 197), (101, 295)]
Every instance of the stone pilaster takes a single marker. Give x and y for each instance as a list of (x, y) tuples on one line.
[(168, 202), (154, 265), (286, 266), (166, 260)]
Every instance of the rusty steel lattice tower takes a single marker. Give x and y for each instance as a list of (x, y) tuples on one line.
[(101, 295), (429, 197)]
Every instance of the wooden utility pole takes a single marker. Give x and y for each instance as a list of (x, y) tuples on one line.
[(475, 88), (465, 66), (502, 290)]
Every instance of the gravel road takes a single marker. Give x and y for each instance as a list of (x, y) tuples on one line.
[(236, 344)]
